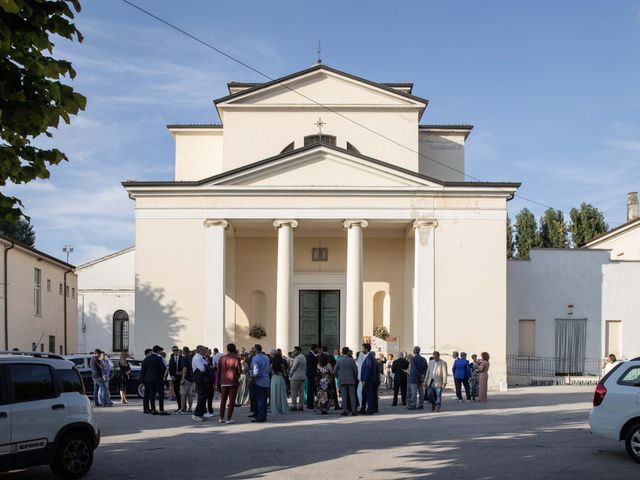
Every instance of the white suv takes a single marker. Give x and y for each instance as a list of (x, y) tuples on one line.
[(616, 406), (45, 416)]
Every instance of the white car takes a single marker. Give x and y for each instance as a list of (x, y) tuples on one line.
[(616, 406), (45, 416)]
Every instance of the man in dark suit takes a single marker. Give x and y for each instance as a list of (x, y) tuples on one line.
[(368, 373), (175, 371), (154, 369), (346, 372), (312, 372), (143, 380), (398, 368)]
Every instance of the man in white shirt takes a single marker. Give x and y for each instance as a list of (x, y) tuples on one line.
[(437, 380), (199, 364)]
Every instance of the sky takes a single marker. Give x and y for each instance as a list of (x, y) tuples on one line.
[(552, 88)]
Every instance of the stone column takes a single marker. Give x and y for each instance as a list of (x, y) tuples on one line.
[(354, 283), (284, 284), (214, 283), (424, 284)]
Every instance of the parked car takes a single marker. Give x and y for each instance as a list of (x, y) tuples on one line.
[(45, 416), (616, 406), (134, 386)]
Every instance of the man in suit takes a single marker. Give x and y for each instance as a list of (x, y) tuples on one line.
[(461, 373), (312, 372), (175, 373), (346, 372), (143, 379), (437, 379), (416, 375), (154, 369), (398, 368), (368, 373)]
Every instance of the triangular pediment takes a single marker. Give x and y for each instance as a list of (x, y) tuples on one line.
[(322, 167), (323, 86)]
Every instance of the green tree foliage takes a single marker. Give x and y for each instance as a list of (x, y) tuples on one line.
[(33, 98), (553, 230), (20, 231), (586, 223), (526, 236), (510, 244)]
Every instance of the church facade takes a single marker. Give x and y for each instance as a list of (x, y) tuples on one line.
[(320, 209)]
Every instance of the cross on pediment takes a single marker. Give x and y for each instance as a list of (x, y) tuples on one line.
[(320, 124)]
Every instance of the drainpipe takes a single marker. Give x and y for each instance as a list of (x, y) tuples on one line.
[(6, 298), (64, 296)]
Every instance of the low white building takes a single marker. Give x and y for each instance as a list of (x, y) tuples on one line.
[(567, 309), (106, 299)]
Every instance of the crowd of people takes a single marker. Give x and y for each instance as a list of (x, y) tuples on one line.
[(317, 380)]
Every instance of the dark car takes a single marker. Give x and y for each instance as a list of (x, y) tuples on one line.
[(134, 386)]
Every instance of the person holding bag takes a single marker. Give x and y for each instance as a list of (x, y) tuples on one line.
[(436, 381)]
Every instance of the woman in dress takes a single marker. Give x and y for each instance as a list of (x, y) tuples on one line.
[(483, 377), (243, 390), (125, 373), (279, 401), (473, 378), (324, 385)]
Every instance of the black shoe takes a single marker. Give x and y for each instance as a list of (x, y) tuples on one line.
[(421, 407), (354, 414), (344, 414), (147, 411), (403, 404), (255, 420), (394, 404), (163, 413), (255, 415), (154, 412)]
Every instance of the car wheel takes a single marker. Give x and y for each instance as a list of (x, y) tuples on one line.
[(73, 457), (141, 390), (632, 442)]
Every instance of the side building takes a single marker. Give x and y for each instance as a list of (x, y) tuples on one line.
[(39, 300), (568, 309), (106, 302)]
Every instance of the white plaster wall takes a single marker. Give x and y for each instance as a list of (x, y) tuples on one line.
[(541, 288), (104, 287), (198, 153), (446, 148), (256, 134), (624, 246), (621, 301)]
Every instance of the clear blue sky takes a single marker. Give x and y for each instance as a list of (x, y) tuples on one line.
[(553, 89)]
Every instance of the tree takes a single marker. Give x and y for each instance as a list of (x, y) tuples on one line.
[(20, 231), (526, 236), (586, 223), (33, 98), (553, 230), (510, 245)]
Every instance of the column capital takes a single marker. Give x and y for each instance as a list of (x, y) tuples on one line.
[(211, 222), (347, 224), (283, 223), (425, 222)]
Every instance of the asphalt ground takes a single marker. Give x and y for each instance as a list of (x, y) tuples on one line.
[(525, 433)]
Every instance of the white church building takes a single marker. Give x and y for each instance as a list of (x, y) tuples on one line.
[(321, 208)]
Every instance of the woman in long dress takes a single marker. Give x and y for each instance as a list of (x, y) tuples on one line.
[(243, 390), (325, 386), (125, 373), (279, 401), (473, 378), (483, 377)]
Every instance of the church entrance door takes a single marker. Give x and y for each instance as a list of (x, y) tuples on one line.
[(320, 319)]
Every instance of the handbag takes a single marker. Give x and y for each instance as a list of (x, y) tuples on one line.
[(431, 394)]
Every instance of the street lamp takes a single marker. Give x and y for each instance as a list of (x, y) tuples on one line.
[(67, 249)]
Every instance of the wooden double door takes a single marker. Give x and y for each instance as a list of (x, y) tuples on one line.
[(320, 319)]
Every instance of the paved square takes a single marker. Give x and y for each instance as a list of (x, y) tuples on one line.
[(525, 433)]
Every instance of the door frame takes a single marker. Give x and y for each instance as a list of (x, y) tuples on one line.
[(318, 281)]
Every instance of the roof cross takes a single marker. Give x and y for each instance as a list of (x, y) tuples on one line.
[(320, 124), (319, 61)]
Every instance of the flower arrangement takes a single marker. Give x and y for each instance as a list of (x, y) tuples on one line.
[(381, 332), (257, 331)]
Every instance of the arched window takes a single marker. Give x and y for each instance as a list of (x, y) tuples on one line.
[(378, 308), (311, 139), (258, 312), (120, 331)]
